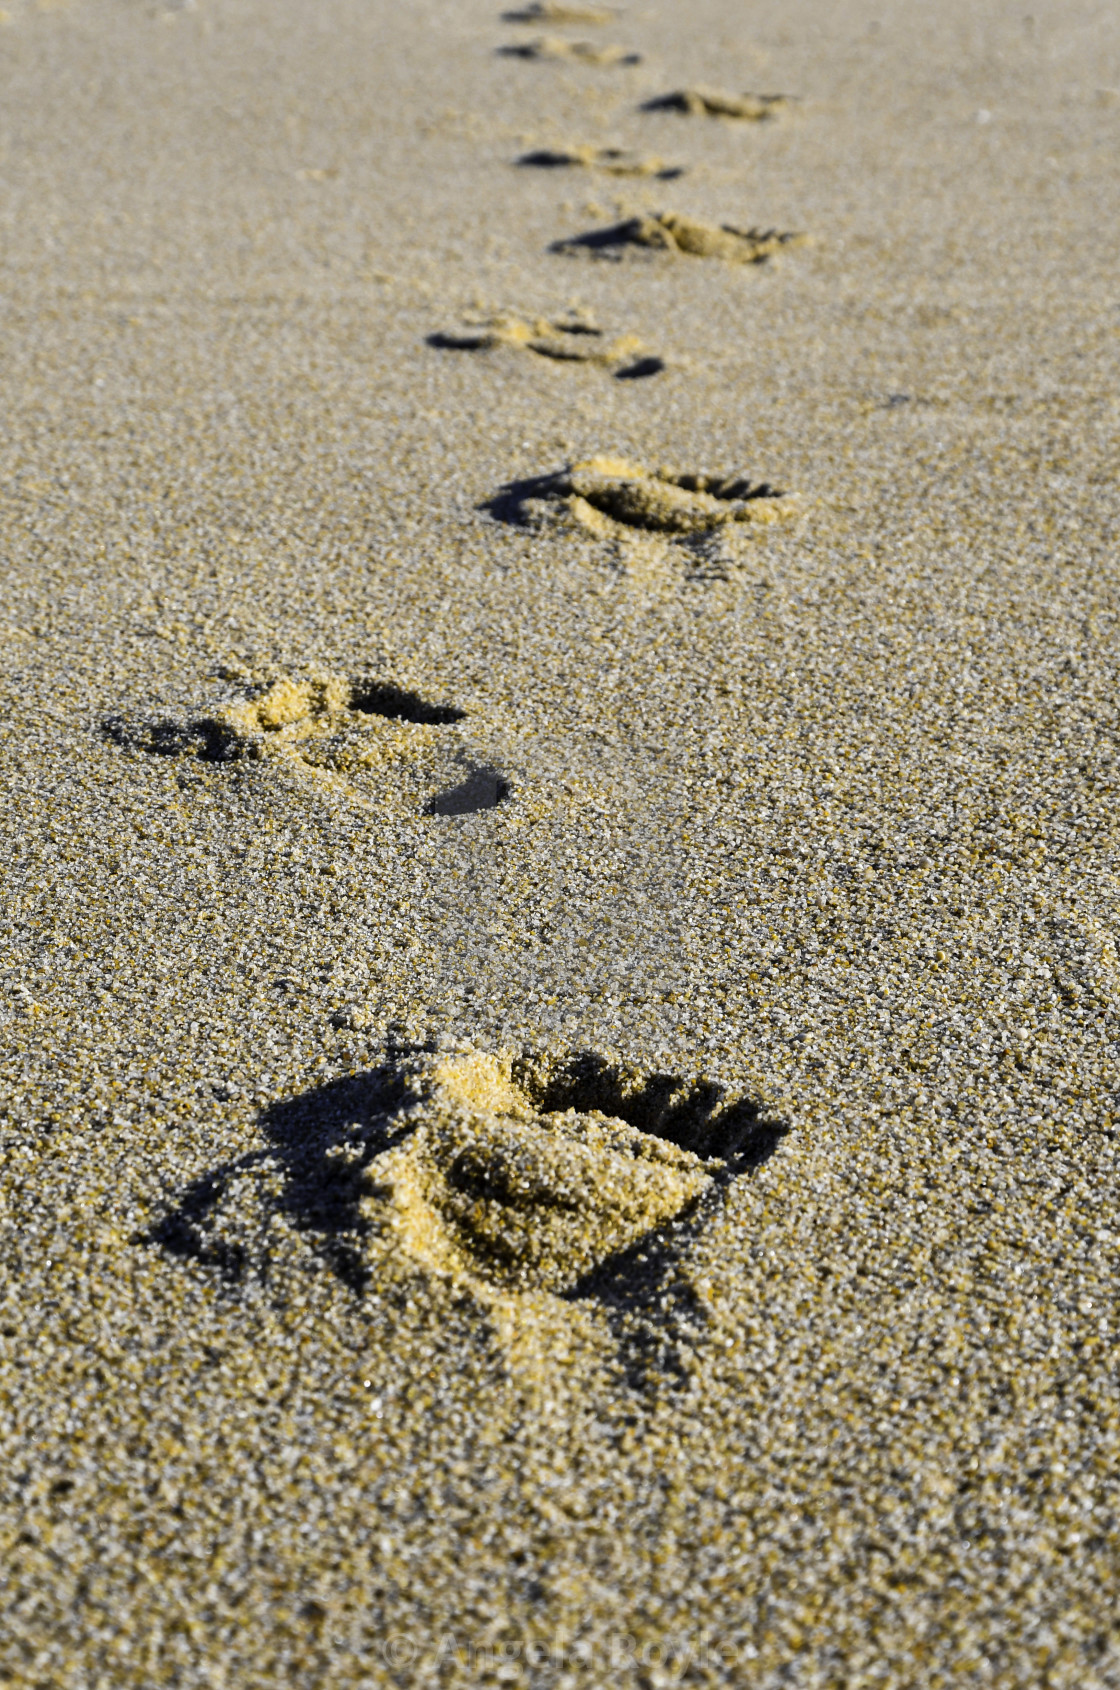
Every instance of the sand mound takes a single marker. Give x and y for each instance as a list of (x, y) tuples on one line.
[(488, 1185)]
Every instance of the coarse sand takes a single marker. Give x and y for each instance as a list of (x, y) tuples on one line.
[(561, 1067)]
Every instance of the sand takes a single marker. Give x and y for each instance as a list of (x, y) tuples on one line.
[(560, 1087)]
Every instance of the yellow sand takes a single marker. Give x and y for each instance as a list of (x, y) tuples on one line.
[(604, 1177)]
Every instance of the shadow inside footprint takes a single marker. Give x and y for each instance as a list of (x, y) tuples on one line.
[(379, 698), (649, 1301), (206, 738), (482, 789), (549, 158), (640, 369)]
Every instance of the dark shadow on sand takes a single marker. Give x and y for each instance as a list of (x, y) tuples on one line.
[(321, 1189), (640, 369), (167, 736), (482, 789), (397, 704), (644, 1291), (611, 242), (510, 503)]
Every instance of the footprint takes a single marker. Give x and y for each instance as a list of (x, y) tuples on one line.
[(614, 160), (668, 231), (554, 11), (348, 733), (505, 1172), (571, 340), (517, 1176), (612, 497), (579, 52), (697, 102)]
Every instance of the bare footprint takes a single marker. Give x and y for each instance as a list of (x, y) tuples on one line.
[(349, 734), (707, 102), (572, 340), (615, 161), (670, 232), (577, 52), (613, 497), (507, 1172), (554, 11)]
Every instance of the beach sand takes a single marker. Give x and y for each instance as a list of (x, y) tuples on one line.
[(560, 1083)]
